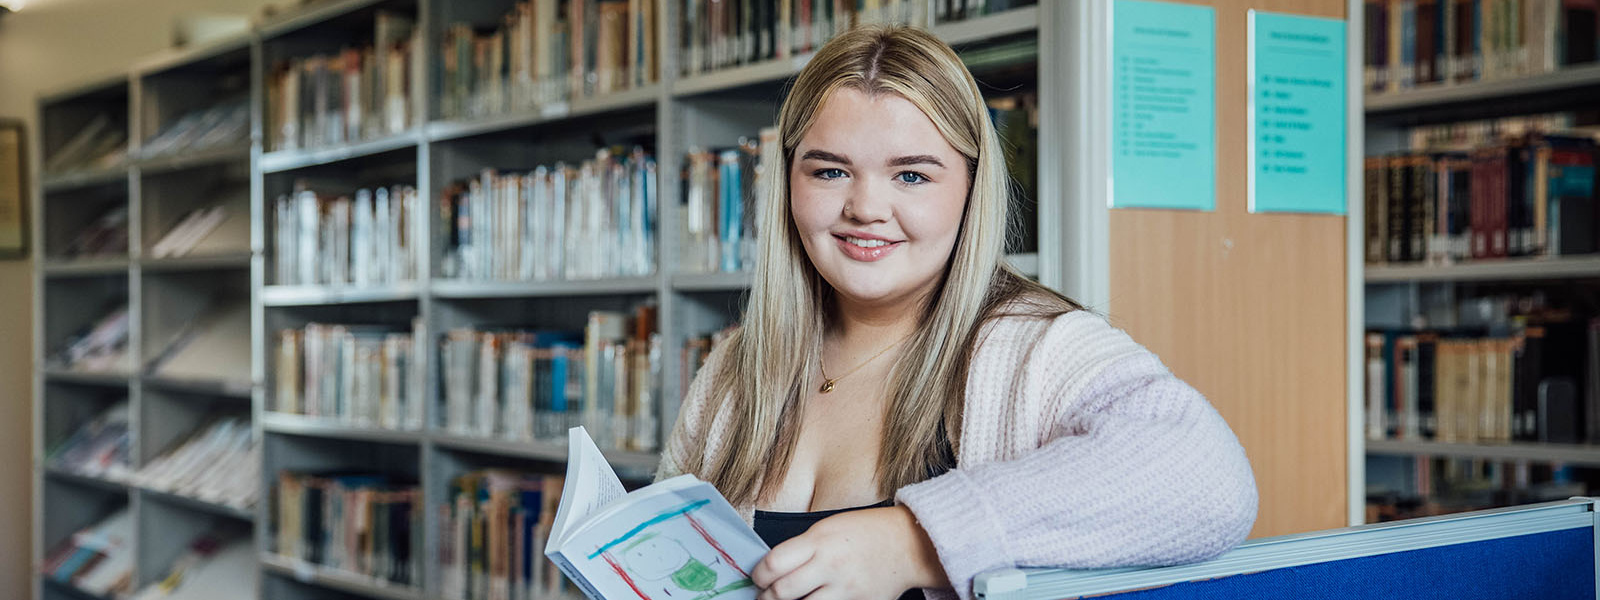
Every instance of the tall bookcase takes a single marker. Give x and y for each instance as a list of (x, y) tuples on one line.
[(1397, 294), (168, 396), (669, 115)]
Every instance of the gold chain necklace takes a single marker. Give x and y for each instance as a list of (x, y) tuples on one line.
[(827, 382)]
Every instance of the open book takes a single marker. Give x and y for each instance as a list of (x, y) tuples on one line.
[(678, 539)]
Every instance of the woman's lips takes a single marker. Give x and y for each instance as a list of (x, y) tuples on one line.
[(862, 254)]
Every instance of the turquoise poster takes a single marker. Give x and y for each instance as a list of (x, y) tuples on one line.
[(1297, 114), (1164, 124)]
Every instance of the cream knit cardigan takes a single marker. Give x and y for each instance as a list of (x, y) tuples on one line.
[(1078, 449)]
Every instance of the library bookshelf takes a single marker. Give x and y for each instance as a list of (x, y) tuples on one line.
[(436, 142)]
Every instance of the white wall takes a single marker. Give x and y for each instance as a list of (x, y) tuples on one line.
[(49, 45)]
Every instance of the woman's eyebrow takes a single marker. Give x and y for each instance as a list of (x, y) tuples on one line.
[(920, 159), (825, 156)]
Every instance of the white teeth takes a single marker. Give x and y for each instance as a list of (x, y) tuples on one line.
[(866, 243)]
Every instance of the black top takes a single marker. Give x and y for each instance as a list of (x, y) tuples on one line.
[(777, 527)]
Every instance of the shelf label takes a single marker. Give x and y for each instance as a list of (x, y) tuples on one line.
[(1297, 114), (1163, 106)]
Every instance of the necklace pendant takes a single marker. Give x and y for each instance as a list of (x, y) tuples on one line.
[(827, 386)]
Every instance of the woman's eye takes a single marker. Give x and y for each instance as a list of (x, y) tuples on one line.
[(829, 173), (912, 178)]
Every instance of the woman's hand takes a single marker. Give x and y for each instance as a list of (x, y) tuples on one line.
[(872, 554)]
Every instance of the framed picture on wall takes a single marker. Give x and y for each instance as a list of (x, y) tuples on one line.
[(13, 190)]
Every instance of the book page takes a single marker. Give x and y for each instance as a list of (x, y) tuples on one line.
[(591, 484), (680, 542)]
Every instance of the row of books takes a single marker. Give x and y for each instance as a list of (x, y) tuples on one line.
[(224, 125), (721, 192), (543, 52), (106, 236), (1535, 385), (363, 524), (220, 464), (353, 95), (1413, 43), (526, 385), (1466, 135), (365, 375), (1533, 196), (99, 447), (97, 559), (493, 529), (718, 34), (99, 144), (555, 222), (100, 347), (215, 560), (374, 238)]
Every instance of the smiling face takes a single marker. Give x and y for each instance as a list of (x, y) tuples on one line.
[(877, 196)]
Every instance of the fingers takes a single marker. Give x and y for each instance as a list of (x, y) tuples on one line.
[(787, 557), (804, 582)]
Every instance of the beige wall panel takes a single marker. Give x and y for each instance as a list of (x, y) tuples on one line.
[(1250, 309)]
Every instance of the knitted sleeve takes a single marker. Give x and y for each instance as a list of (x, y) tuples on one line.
[(1136, 467), (689, 432)]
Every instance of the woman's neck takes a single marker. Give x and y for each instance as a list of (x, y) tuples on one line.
[(869, 327)]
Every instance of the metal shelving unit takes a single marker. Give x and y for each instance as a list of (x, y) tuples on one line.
[(678, 112), (150, 96), (1391, 288)]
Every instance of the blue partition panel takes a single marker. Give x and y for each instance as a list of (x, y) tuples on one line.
[(1556, 565)]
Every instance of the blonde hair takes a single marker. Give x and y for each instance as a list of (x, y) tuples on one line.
[(787, 311)]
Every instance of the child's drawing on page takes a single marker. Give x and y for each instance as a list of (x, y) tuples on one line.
[(673, 557)]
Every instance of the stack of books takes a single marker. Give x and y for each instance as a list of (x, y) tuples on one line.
[(363, 524), (358, 94), (98, 559), (221, 227), (721, 192), (534, 385), (99, 348), (556, 222), (540, 55), (369, 376), (99, 448), (220, 126), (1415, 43), (492, 534), (100, 144), (106, 237), (373, 239), (220, 464)]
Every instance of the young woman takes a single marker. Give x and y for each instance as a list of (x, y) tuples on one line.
[(901, 410)]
